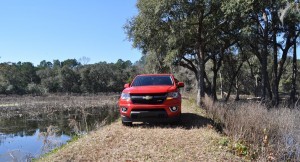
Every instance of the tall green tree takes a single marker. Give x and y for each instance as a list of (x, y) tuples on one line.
[(183, 32), (69, 80)]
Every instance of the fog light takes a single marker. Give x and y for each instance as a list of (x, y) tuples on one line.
[(124, 109), (174, 108)]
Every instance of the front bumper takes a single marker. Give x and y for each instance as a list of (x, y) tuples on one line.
[(150, 112), (150, 117)]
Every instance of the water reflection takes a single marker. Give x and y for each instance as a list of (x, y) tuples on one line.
[(24, 148), (25, 137)]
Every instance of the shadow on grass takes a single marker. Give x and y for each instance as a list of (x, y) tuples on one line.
[(188, 121)]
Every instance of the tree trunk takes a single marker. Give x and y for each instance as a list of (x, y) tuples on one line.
[(237, 87), (214, 86), (232, 81), (266, 89), (229, 91), (214, 79), (216, 67), (200, 80), (294, 76), (221, 86), (264, 74), (207, 85), (275, 67)]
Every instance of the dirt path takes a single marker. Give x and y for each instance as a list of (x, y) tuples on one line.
[(193, 140)]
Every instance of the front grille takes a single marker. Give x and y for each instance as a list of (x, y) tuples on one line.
[(148, 98)]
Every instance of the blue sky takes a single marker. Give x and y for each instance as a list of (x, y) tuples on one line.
[(36, 30)]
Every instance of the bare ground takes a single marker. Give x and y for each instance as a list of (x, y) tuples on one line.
[(195, 139)]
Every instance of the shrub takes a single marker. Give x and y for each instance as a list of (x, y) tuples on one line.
[(33, 88), (259, 133)]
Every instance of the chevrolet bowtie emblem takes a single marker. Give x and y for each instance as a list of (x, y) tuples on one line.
[(147, 97)]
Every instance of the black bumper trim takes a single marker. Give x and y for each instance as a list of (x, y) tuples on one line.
[(151, 119)]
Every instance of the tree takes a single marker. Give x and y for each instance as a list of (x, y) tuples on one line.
[(256, 33), (45, 64), (71, 63), (232, 66), (57, 64), (291, 20), (28, 73), (70, 80), (95, 78), (180, 32), (262, 29), (49, 79), (84, 60)]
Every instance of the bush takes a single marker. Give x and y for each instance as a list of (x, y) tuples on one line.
[(269, 134), (35, 89)]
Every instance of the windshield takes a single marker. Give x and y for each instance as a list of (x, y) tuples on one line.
[(152, 80)]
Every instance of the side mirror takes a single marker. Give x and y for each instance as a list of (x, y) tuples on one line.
[(180, 84), (127, 85)]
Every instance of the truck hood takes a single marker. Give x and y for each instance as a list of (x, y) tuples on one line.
[(149, 89)]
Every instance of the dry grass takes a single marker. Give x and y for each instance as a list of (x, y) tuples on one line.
[(76, 114), (262, 134), (11, 106), (193, 140)]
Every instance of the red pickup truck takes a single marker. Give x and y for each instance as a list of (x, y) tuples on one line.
[(151, 98)]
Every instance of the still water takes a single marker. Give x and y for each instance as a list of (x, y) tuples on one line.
[(25, 147), (25, 137)]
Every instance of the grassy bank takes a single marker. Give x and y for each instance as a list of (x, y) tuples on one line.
[(195, 139), (259, 133)]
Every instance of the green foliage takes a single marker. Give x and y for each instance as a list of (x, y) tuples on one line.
[(241, 149), (69, 80), (194, 34), (68, 76), (36, 89), (70, 63), (50, 79), (14, 78), (224, 142)]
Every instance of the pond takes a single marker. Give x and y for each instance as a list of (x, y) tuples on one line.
[(24, 137)]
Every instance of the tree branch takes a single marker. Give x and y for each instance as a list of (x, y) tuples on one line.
[(191, 64)]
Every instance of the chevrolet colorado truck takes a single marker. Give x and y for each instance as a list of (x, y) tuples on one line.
[(151, 98)]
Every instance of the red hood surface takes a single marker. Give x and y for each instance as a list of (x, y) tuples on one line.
[(149, 89)]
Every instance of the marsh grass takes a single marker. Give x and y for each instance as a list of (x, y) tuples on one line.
[(260, 133), (83, 113), (33, 106)]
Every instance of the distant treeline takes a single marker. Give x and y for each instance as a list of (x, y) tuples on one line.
[(69, 76)]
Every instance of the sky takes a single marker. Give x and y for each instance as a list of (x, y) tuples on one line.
[(36, 30)]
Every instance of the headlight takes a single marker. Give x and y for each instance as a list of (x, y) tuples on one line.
[(125, 96), (172, 95), (124, 109)]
